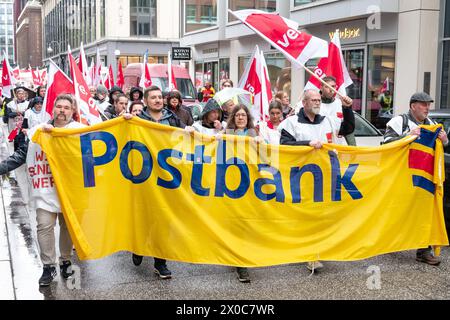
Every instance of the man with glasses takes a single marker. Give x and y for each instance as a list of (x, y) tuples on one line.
[(309, 128)]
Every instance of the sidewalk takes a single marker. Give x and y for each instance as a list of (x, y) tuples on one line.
[(7, 291), (19, 257)]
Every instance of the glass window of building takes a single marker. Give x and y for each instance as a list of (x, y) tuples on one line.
[(279, 71), (380, 83), (143, 18), (445, 83), (264, 5), (301, 2), (200, 14), (224, 69), (102, 18), (198, 75)]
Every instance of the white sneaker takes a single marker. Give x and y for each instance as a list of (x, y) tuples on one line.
[(314, 265)]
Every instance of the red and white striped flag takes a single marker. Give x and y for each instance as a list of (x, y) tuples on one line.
[(283, 34), (87, 107), (255, 80), (333, 65), (58, 83)]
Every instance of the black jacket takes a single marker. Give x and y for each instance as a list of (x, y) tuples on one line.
[(18, 158), (168, 116), (110, 113)]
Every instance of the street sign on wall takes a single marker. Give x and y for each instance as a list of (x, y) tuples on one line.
[(181, 53)]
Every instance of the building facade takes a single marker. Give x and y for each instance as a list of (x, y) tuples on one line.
[(121, 29), (29, 34), (7, 29), (401, 45)]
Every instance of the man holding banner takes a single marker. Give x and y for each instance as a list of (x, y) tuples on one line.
[(157, 113), (408, 124), (310, 128), (44, 194)]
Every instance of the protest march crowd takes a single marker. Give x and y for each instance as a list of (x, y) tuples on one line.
[(324, 115)]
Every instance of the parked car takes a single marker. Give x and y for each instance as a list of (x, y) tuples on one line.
[(443, 117), (365, 133), (158, 73)]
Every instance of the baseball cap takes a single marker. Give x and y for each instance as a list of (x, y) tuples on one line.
[(420, 97)]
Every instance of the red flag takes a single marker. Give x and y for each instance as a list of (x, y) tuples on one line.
[(120, 77), (146, 79), (83, 66), (16, 73), (7, 78), (58, 83), (255, 80), (87, 107), (111, 77), (171, 76), (283, 34), (333, 65), (36, 77), (44, 77), (385, 86)]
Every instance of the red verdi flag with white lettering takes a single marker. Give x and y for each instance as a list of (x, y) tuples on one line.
[(283, 34), (87, 106), (333, 65), (58, 83)]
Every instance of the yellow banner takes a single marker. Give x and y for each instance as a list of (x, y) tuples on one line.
[(157, 191)]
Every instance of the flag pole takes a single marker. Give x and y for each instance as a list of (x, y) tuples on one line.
[(323, 82)]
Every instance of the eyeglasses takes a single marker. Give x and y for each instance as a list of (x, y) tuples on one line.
[(240, 115), (315, 100)]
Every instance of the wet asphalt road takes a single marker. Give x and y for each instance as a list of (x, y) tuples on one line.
[(115, 277)]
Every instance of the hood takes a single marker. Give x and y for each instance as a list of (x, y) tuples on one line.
[(136, 89), (114, 89), (35, 101), (210, 106)]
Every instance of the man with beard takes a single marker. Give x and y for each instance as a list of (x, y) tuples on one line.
[(44, 196), (309, 128)]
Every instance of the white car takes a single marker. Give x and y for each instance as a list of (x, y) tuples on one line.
[(365, 133)]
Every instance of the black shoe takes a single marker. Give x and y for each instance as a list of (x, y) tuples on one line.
[(66, 269), (163, 272), (48, 275), (243, 275), (428, 258), (137, 260)]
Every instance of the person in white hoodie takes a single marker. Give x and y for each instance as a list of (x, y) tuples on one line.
[(43, 192)]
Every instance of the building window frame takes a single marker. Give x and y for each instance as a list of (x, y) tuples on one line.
[(440, 65), (184, 21), (237, 21), (315, 3)]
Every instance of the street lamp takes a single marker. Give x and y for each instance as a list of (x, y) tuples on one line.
[(50, 49)]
